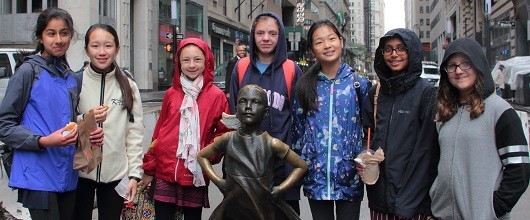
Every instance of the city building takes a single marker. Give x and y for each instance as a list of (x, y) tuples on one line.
[(149, 31), (356, 41), (374, 24), (500, 26), (418, 19), (501, 18)]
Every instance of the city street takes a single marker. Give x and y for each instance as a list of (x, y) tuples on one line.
[(151, 109)]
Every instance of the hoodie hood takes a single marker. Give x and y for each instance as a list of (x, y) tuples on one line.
[(415, 54), (208, 62), (473, 51), (54, 65), (280, 54)]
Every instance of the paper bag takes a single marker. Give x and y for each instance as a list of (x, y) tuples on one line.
[(87, 157), (371, 161)]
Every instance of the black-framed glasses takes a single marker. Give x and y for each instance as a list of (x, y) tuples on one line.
[(401, 50), (451, 68)]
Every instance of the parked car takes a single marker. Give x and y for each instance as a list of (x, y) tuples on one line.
[(8, 60), (430, 72), (219, 76)]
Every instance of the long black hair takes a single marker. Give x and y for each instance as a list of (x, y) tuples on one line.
[(306, 87), (120, 76), (42, 22)]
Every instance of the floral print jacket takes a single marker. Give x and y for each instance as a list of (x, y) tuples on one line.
[(331, 137)]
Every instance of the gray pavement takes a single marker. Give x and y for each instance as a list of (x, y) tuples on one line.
[(151, 104)]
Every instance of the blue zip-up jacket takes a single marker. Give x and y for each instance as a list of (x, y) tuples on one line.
[(278, 123), (36, 107), (329, 138)]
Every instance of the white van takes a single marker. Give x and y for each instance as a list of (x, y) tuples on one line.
[(8, 60), (430, 72)]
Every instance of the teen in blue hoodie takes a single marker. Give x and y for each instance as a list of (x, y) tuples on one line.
[(267, 53)]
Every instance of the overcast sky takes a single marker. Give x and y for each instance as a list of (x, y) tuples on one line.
[(394, 14)]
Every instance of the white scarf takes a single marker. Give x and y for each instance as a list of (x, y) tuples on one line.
[(189, 129)]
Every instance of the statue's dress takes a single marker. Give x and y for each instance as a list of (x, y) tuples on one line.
[(249, 166)]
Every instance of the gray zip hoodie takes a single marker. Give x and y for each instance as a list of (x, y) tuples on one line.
[(484, 164)]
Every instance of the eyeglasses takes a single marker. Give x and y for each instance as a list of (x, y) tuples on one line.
[(451, 68), (399, 50)]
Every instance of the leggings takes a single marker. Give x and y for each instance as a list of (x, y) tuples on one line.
[(167, 211), (61, 206), (109, 202), (325, 210)]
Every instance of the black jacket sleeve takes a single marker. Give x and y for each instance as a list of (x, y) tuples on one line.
[(513, 152)]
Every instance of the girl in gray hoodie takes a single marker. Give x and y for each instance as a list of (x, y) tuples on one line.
[(484, 164)]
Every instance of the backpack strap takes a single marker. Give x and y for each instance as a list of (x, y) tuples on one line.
[(378, 86), (288, 71), (357, 86), (242, 66), (79, 79)]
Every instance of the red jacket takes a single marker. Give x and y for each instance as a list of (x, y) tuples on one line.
[(161, 160)]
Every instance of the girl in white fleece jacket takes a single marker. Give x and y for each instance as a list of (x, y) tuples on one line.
[(116, 102)]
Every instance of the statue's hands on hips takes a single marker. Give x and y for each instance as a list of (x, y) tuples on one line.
[(277, 191)]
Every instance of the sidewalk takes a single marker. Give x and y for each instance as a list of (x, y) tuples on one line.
[(156, 96), (520, 107)]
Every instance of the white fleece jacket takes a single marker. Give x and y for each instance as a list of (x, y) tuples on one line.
[(122, 146)]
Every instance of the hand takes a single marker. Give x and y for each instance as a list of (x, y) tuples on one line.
[(131, 190), (276, 192), (146, 180), (100, 113), (96, 137), (221, 184), (360, 168), (57, 139)]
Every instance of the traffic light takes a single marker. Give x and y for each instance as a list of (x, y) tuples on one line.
[(169, 47)]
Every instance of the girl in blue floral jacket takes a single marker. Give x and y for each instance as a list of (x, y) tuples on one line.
[(327, 128)]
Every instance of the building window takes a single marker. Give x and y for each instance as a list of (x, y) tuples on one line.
[(228, 51), (421, 34), (421, 9), (22, 6), (164, 11), (428, 34), (421, 22), (5, 7), (194, 17), (52, 3), (224, 4), (428, 22), (36, 6), (427, 9), (216, 50), (107, 8)]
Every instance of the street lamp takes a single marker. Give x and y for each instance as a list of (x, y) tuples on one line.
[(417, 26)]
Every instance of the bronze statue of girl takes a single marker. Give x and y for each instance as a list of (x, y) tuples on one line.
[(248, 187)]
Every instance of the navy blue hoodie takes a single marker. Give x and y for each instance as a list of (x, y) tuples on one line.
[(278, 123)]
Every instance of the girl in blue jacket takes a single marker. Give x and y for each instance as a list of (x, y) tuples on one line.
[(40, 100), (327, 126)]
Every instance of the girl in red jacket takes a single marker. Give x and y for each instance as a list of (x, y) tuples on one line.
[(189, 121)]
